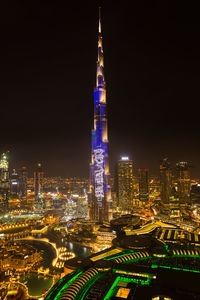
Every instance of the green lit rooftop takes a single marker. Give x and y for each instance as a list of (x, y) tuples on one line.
[(127, 273)]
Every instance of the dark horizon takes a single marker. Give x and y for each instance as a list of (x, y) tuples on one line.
[(48, 64)]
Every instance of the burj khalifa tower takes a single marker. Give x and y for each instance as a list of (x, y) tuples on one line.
[(100, 195)]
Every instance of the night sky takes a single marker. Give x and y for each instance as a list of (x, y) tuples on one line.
[(48, 59)]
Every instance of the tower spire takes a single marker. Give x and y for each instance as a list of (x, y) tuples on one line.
[(100, 62), (99, 19)]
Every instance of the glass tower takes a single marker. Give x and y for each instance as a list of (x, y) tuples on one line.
[(183, 180), (125, 183), (143, 185), (4, 182), (165, 181), (38, 180), (100, 195)]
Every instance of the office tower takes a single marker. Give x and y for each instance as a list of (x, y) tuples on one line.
[(4, 182), (23, 184), (38, 180), (195, 194), (183, 182), (125, 183), (143, 185), (165, 181), (100, 194), (14, 185), (154, 188), (114, 188)]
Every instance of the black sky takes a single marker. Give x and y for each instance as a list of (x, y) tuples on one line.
[(48, 58)]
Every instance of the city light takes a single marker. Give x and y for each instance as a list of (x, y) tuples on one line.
[(102, 226), (124, 158)]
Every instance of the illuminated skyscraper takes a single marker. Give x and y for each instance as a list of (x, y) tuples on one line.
[(100, 194), (14, 185), (23, 183), (4, 182), (165, 181), (38, 180), (183, 180), (125, 183), (143, 185)]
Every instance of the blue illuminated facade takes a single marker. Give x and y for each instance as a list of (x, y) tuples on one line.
[(100, 195)]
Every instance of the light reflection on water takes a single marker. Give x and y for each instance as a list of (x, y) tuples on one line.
[(37, 284), (79, 250), (46, 251)]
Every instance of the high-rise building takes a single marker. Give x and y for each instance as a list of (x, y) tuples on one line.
[(183, 182), (114, 188), (125, 183), (14, 185), (165, 181), (100, 194), (4, 182), (23, 184), (38, 180), (195, 194), (143, 185), (154, 188)]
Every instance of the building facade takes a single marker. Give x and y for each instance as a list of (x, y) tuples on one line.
[(14, 185), (100, 194), (125, 183), (165, 181), (143, 185), (38, 180), (4, 182), (23, 182), (183, 182)]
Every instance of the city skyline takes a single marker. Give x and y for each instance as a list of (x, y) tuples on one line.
[(127, 224), (152, 59)]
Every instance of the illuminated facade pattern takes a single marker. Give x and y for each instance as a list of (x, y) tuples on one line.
[(183, 180), (14, 184), (4, 182), (125, 183), (100, 195), (72, 291), (38, 180), (165, 181), (143, 185)]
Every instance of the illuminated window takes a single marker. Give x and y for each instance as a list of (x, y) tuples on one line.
[(123, 293), (122, 284)]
